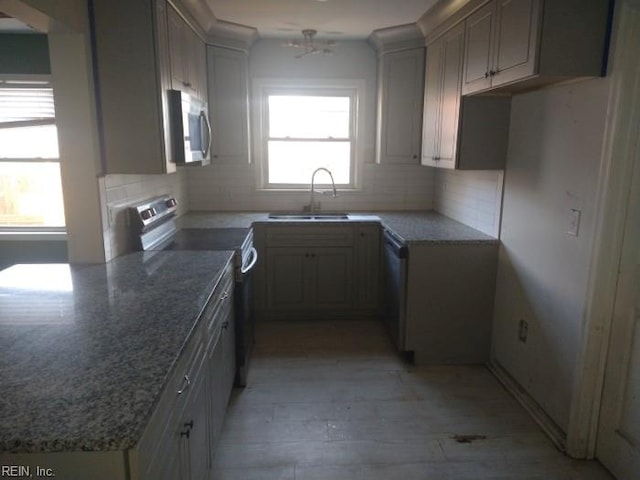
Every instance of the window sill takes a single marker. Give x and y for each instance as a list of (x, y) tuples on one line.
[(8, 234)]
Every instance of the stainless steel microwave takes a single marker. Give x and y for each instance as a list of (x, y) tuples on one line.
[(190, 129)]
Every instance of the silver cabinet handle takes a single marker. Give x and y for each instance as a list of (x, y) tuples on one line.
[(224, 296), (185, 385)]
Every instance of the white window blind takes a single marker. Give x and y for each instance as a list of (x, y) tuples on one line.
[(26, 103)]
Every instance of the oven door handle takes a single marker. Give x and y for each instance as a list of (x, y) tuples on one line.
[(254, 259)]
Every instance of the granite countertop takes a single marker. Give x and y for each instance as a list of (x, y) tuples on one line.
[(423, 227), (87, 350)]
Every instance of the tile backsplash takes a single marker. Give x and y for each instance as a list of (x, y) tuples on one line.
[(471, 197), (383, 187), (122, 191)]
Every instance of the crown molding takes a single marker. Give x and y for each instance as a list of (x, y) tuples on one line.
[(231, 35), (401, 37), (444, 14)]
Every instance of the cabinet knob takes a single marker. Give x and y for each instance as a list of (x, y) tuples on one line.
[(486, 74), (186, 433), (225, 325), (224, 296), (492, 73), (415, 156), (188, 425)]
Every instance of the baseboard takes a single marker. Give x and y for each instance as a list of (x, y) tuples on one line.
[(553, 431)]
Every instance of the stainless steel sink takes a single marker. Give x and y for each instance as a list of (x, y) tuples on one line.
[(308, 216)]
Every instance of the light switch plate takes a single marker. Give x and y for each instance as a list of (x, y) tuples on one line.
[(574, 222)]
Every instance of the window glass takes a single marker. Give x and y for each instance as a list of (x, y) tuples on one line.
[(306, 132), (31, 194), (308, 117), (40, 141)]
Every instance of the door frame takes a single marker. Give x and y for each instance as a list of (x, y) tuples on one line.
[(614, 183)]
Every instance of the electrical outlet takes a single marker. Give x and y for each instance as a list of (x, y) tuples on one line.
[(523, 330), (574, 222)]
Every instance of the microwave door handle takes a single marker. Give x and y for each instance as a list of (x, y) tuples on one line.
[(205, 120)]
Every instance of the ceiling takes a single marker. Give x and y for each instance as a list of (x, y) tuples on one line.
[(335, 19), (11, 25)]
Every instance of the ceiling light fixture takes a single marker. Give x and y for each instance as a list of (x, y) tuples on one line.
[(310, 46)]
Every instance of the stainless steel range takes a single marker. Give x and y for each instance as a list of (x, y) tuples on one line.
[(154, 227)]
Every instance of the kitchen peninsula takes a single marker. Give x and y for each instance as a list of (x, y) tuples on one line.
[(87, 352)]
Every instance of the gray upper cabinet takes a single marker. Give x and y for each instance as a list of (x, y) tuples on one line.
[(522, 44), (442, 99), (460, 132), (400, 87), (188, 57), (131, 85), (229, 104)]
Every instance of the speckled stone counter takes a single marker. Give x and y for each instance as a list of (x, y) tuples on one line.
[(86, 350), (431, 227), (412, 227)]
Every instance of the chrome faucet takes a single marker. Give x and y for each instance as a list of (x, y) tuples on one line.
[(313, 190)]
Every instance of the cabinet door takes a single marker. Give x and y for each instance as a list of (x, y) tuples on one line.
[(332, 274), (451, 95), (288, 280), (164, 67), (516, 39), (215, 359), (400, 114), (194, 431), (176, 48), (198, 68), (432, 104), (478, 55), (228, 356), (228, 105)]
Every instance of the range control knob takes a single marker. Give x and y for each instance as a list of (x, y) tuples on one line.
[(171, 202), (147, 214)]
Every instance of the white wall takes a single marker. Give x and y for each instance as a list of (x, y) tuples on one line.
[(233, 187), (555, 148), (470, 197)]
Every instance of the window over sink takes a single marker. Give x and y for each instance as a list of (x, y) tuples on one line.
[(303, 128)]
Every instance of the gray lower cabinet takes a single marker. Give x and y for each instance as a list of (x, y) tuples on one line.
[(449, 309), (325, 271), (308, 278), (179, 441)]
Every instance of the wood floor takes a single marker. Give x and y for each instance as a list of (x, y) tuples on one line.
[(331, 400)]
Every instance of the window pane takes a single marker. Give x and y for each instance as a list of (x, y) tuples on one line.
[(31, 194), (301, 116), (294, 162), (29, 142)]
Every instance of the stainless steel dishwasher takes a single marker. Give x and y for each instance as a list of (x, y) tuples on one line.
[(395, 262)]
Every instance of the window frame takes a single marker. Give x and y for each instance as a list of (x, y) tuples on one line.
[(263, 88), (30, 232)]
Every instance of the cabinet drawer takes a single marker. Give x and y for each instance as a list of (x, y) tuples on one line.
[(221, 301), (320, 236)]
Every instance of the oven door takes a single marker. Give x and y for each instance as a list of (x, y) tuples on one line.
[(244, 316)]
